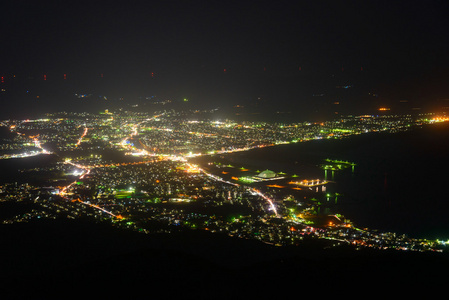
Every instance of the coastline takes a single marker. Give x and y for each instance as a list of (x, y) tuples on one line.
[(386, 192)]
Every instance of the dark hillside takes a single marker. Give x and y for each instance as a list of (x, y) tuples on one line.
[(62, 259)]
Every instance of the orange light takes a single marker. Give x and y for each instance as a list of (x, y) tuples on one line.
[(440, 119), (276, 186)]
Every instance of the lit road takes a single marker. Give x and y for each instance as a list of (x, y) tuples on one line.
[(82, 136), (37, 144), (99, 208), (87, 170), (250, 189)]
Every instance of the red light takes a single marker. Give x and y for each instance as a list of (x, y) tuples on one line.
[(3, 79), (101, 75), (152, 74), (224, 70), (45, 77), (65, 76), (299, 68)]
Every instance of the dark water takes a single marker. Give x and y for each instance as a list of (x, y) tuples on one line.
[(399, 184)]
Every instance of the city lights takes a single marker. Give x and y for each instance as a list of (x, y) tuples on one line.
[(153, 177)]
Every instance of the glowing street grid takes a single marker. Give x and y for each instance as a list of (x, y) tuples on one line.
[(135, 171)]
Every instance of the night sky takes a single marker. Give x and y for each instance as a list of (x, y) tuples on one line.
[(221, 53)]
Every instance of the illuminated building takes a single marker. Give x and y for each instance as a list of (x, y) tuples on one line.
[(267, 174)]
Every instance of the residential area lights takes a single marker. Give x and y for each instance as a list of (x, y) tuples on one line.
[(159, 182)]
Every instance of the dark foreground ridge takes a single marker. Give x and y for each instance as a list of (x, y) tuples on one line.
[(70, 259)]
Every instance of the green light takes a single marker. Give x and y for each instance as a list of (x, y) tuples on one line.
[(186, 100), (246, 179)]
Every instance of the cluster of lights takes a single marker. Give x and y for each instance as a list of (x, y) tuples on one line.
[(132, 128), (439, 119)]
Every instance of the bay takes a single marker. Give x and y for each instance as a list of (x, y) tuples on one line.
[(398, 185)]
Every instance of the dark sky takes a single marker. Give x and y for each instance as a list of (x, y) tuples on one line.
[(402, 47)]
